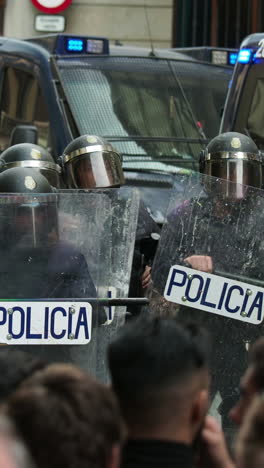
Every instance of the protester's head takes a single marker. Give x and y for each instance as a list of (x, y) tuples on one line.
[(250, 440), (252, 382), (160, 374), (15, 367), (13, 453), (67, 419)]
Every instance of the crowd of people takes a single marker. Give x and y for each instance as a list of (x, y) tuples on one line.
[(154, 412)]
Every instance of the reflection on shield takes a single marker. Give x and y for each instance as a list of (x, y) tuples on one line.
[(69, 245), (204, 228)]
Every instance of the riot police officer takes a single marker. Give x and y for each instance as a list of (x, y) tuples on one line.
[(220, 230), (35, 263), (32, 156), (233, 157), (90, 162)]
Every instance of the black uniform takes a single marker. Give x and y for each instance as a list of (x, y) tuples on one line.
[(224, 222), (35, 263), (59, 271), (234, 241), (90, 162)]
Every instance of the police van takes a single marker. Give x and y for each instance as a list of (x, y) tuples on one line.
[(157, 107), (245, 101)]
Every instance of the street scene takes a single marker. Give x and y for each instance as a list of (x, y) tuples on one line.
[(131, 233)]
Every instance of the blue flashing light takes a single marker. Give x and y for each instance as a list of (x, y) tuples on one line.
[(89, 45), (232, 58), (244, 56), (74, 45)]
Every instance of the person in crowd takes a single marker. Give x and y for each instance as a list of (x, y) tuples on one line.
[(13, 452), (251, 382), (67, 419), (250, 441), (160, 374), (215, 453)]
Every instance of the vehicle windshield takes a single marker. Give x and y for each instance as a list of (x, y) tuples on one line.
[(255, 116), (249, 116), (155, 111)]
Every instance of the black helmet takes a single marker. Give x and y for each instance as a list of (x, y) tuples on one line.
[(91, 162), (23, 180), (28, 210), (32, 156), (233, 157)]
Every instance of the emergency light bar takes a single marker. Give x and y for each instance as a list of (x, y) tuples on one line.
[(68, 45), (244, 56), (232, 58), (219, 57), (224, 57)]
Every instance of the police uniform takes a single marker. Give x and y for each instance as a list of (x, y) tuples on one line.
[(225, 223), (90, 162), (35, 263)]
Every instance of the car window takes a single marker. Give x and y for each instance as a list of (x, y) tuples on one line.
[(22, 103)]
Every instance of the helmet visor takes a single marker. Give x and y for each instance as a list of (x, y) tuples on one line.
[(241, 172), (95, 170)]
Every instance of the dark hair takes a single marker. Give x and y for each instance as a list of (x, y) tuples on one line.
[(250, 440), (256, 359), (153, 353), (66, 418), (15, 367)]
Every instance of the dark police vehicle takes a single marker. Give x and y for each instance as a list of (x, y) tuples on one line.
[(244, 108), (157, 107)]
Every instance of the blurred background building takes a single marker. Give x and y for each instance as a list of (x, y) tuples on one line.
[(177, 23), (125, 21), (222, 23)]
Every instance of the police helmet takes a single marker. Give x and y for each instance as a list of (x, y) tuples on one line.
[(23, 180), (31, 156), (91, 162), (28, 210), (235, 158)]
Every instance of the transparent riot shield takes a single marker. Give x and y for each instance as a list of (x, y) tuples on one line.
[(60, 255), (209, 268)]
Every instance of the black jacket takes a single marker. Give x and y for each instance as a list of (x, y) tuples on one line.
[(156, 454), (58, 271)]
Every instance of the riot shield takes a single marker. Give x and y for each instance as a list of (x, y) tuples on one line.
[(209, 269), (60, 254)]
